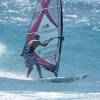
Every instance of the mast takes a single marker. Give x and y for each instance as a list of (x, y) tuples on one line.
[(60, 40)]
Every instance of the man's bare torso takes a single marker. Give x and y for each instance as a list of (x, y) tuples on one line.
[(33, 45)]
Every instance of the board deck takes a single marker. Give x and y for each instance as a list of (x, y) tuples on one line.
[(64, 79)]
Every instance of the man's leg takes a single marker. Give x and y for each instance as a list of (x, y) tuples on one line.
[(39, 70), (30, 68)]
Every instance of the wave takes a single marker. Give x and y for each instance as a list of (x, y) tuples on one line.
[(47, 96), (3, 49), (12, 75), (96, 28), (20, 11), (81, 0)]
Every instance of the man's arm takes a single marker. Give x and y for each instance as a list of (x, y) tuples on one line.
[(45, 43)]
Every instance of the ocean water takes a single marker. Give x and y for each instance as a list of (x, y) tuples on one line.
[(80, 52)]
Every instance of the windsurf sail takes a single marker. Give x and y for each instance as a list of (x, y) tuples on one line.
[(47, 21)]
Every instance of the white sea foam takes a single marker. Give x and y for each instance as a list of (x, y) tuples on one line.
[(19, 95), (12, 11), (83, 19), (96, 28), (19, 19), (13, 75), (3, 49), (71, 16), (84, 0), (4, 3), (23, 3)]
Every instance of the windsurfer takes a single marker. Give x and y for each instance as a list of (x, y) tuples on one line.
[(28, 54)]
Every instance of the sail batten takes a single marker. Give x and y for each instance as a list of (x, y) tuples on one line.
[(47, 21)]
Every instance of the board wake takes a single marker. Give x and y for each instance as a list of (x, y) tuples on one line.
[(64, 79)]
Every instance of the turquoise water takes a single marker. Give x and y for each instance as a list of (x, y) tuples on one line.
[(81, 47)]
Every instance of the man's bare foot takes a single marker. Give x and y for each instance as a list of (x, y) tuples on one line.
[(27, 76)]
